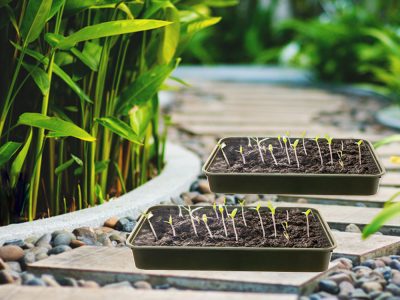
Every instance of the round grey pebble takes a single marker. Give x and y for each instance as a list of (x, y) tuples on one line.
[(68, 281), (44, 240), (370, 263), (35, 281), (395, 264), (328, 286), (64, 238), (59, 249), (353, 228), (359, 294), (15, 266), (15, 242), (394, 289), (128, 227), (41, 256)]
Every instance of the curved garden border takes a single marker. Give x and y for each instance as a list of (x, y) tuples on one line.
[(181, 170)]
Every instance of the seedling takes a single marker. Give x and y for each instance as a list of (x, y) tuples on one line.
[(294, 146), (148, 216), (258, 142), (287, 215), (342, 145), (221, 210), (249, 143), (319, 150), (285, 226), (329, 140), (307, 212), (286, 148), (226, 209), (192, 218), (271, 150), (221, 147), (180, 211), (359, 150), (172, 225), (241, 202), (215, 210), (272, 209), (287, 133), (232, 216), (303, 135), (242, 154), (340, 155), (205, 220), (257, 209), (279, 140)]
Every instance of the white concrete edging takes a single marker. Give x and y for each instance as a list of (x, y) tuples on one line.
[(181, 169)]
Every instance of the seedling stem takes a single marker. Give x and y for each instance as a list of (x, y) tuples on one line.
[(286, 148), (257, 209), (294, 146), (279, 140), (271, 150), (232, 216), (148, 216), (272, 209), (205, 220), (258, 141), (242, 154), (221, 210), (221, 147), (215, 210), (303, 135), (319, 150), (359, 149), (307, 212), (191, 211), (172, 225), (241, 202), (329, 140)]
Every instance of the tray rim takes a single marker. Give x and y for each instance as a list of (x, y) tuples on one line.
[(371, 148), (324, 224)]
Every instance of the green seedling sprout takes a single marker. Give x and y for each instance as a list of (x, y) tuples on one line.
[(359, 149), (249, 143), (287, 215), (307, 212), (215, 210), (180, 211), (272, 209), (279, 140), (241, 203), (242, 154), (287, 133), (221, 210), (285, 226), (232, 217), (342, 145), (148, 216), (319, 150), (221, 147), (329, 141), (271, 150), (294, 146), (172, 225), (340, 155), (205, 220), (286, 148), (258, 142), (192, 218), (225, 207), (257, 209), (303, 135)]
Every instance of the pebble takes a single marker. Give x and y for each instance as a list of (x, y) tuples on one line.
[(86, 235), (49, 280), (15, 242), (251, 198), (396, 279), (41, 256), (68, 281), (11, 253), (142, 285), (88, 284), (346, 288), (3, 265), (14, 266), (352, 228), (395, 264), (76, 244), (111, 222), (6, 277), (338, 278), (59, 249), (359, 294), (343, 263), (117, 238), (370, 263), (394, 289), (203, 186), (328, 286), (201, 199), (63, 238), (36, 282), (104, 239), (44, 240), (371, 286), (117, 285), (177, 200)]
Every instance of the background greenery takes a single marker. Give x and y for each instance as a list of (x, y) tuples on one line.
[(80, 118)]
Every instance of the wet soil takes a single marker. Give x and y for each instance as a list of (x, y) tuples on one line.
[(248, 236), (308, 163)]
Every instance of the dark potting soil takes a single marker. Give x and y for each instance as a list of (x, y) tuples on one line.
[(248, 236), (310, 163)]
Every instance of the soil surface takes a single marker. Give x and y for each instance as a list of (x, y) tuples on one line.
[(250, 236), (310, 163)]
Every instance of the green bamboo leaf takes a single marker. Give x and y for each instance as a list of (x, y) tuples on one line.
[(170, 35), (54, 124), (380, 219), (388, 140), (140, 118), (109, 29), (75, 6), (221, 3), (55, 7), (77, 160), (39, 76), (18, 163), (58, 71), (199, 25), (120, 177), (12, 18), (99, 166), (7, 151), (86, 59), (36, 14), (120, 128), (64, 166), (144, 87)]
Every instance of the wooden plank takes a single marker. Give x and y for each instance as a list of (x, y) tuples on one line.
[(227, 109), (104, 265), (377, 200), (16, 292), (389, 150), (390, 166), (391, 179), (339, 217)]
